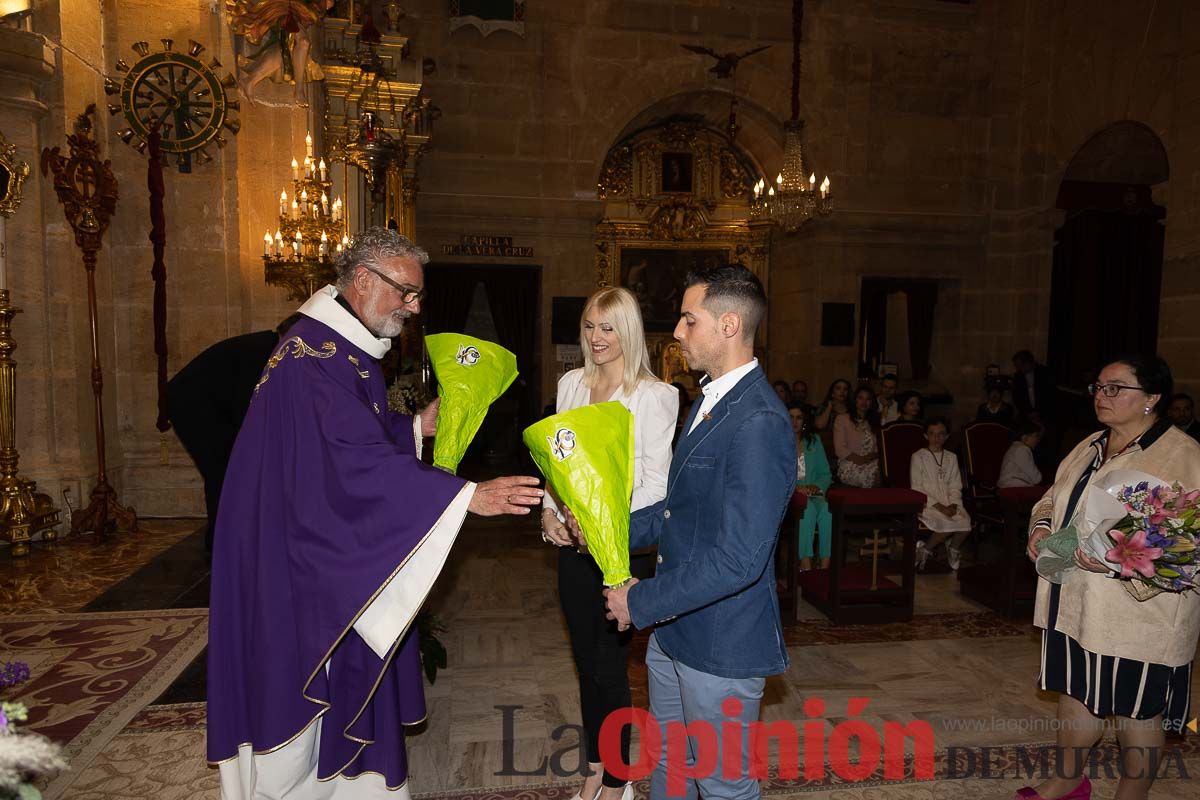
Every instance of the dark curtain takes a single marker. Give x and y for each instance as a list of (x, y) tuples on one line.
[(448, 295), (922, 298), (513, 299), (1104, 293)]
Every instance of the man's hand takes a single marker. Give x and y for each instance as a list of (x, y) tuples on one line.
[(429, 415), (617, 602), (510, 495)]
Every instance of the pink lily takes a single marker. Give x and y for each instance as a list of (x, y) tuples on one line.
[(1132, 554)]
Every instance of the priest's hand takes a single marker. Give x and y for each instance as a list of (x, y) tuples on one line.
[(617, 602), (429, 415), (510, 495)]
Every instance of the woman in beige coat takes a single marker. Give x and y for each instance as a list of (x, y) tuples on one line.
[(1113, 647)]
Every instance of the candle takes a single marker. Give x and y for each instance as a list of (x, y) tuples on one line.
[(267, 243), (295, 170), (337, 210), (321, 166), (308, 144), (278, 244), (324, 247), (283, 204), (295, 209), (298, 244), (324, 200)]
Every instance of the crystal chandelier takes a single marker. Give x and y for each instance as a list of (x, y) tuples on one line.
[(312, 229), (793, 199)]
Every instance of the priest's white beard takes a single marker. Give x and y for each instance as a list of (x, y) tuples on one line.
[(388, 326)]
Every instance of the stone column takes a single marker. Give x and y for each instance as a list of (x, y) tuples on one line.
[(27, 62)]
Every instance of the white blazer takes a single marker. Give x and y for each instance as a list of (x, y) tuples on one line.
[(655, 409)]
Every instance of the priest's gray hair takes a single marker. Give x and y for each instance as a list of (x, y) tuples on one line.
[(370, 247)]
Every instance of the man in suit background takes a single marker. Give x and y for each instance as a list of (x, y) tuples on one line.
[(207, 401), (1182, 412), (1033, 388), (713, 604), (1034, 393)]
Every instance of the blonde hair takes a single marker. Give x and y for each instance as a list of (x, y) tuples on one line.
[(621, 308)]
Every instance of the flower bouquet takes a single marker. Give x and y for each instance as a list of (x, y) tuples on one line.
[(587, 457), (1147, 530), (471, 374), (23, 756)]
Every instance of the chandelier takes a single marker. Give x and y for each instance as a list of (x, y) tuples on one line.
[(793, 199), (311, 231)]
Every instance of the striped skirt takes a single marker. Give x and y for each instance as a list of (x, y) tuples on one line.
[(1113, 686)]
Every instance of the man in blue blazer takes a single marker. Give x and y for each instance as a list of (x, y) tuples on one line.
[(712, 602)]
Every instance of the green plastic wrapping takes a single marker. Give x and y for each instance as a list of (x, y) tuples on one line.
[(471, 374), (586, 455)]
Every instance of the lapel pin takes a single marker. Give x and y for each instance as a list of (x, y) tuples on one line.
[(706, 416)]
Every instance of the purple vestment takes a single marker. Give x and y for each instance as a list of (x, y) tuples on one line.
[(323, 502)]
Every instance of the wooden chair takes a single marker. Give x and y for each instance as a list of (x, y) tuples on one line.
[(1007, 584), (860, 593), (787, 561), (897, 443), (984, 446)]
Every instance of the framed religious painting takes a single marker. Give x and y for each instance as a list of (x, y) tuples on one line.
[(676, 173), (656, 276)]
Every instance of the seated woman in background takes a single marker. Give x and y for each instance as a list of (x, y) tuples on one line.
[(1018, 468), (995, 409), (834, 405), (935, 474), (812, 478), (912, 406), (855, 442)]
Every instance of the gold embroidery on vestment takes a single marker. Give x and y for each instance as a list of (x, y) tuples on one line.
[(299, 350), (362, 373)]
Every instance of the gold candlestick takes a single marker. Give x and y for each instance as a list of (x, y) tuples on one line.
[(24, 511)]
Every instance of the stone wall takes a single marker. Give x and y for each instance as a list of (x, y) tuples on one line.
[(945, 127)]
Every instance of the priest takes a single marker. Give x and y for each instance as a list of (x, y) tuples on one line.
[(330, 534)]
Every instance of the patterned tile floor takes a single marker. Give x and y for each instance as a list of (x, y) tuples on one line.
[(957, 666)]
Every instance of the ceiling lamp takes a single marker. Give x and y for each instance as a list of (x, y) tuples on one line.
[(794, 197)]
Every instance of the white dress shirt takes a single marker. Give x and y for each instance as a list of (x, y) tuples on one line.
[(655, 409), (714, 390)]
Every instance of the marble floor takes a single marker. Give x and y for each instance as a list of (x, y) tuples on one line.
[(502, 713)]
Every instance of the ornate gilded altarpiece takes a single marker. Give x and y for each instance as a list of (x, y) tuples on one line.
[(676, 199)]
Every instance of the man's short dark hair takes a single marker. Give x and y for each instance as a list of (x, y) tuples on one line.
[(932, 421), (732, 288), (1184, 396), (1024, 355), (891, 376)]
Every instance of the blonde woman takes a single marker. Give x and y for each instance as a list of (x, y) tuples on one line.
[(616, 366)]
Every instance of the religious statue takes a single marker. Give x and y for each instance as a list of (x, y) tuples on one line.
[(282, 30)]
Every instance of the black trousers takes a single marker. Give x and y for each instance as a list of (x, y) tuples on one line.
[(601, 652)]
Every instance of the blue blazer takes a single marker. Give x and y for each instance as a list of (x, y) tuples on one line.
[(713, 597)]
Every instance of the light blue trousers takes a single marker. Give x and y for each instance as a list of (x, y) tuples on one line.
[(816, 514), (679, 696)]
